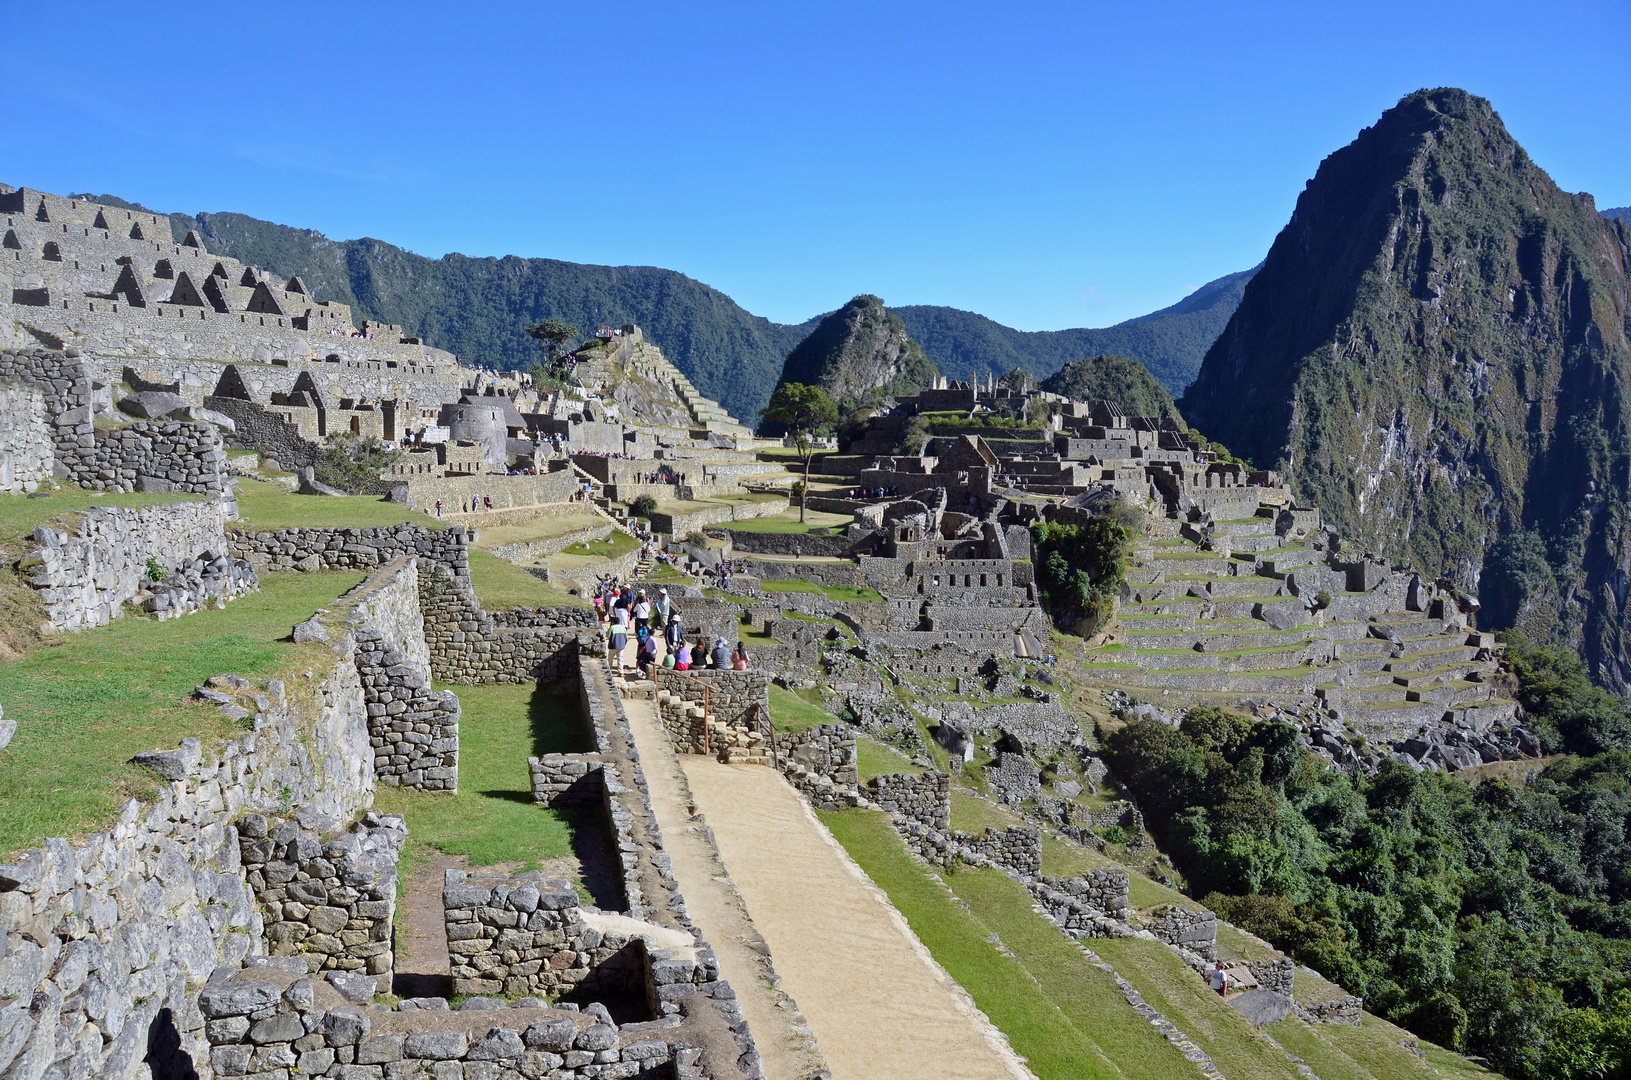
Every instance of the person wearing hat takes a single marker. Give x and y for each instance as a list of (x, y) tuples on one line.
[(722, 655), (664, 607), (674, 633)]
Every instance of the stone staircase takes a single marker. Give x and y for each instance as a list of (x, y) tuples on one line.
[(1215, 625)]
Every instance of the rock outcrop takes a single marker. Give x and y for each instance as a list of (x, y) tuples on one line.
[(859, 352), (1435, 352)]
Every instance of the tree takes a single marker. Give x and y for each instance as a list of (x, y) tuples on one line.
[(805, 411), (552, 335)]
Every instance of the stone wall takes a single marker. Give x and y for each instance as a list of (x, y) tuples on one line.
[(1089, 906), (469, 646), (328, 893), (274, 435), (527, 936), (108, 939), (86, 576), (414, 730), (26, 450), (269, 1022), (821, 763), (744, 541), (1277, 975), (506, 492), (568, 781), (738, 710), (153, 455), (680, 519), (1348, 1011), (1018, 848), (820, 573), (538, 549), (1186, 928), (924, 798), (353, 549)]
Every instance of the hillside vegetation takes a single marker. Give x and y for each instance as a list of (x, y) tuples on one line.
[(858, 354), (1435, 352), (1122, 381)]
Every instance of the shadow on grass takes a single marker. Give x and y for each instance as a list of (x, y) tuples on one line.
[(559, 725)]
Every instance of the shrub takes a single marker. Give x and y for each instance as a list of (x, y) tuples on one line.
[(1115, 834), (353, 463), (155, 569), (643, 506)]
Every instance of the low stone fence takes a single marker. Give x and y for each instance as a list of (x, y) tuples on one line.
[(1277, 975), (568, 781), (471, 646), (821, 763), (745, 541), (1348, 1011), (414, 730), (264, 1021), (1092, 905), (85, 576), (505, 492), (329, 902), (311, 550), (1186, 928), (680, 519), (1018, 848), (925, 798), (538, 549), (821, 573)]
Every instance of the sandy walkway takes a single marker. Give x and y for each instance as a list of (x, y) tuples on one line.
[(779, 1030), (879, 1004)]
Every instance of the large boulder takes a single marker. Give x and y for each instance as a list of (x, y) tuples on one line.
[(1286, 615), (151, 404)]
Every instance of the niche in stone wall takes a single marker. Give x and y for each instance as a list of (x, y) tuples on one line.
[(163, 269), (53, 253), (11, 243)]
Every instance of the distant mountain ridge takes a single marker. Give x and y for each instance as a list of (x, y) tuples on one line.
[(477, 307)]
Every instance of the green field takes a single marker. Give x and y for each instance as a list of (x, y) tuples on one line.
[(86, 703), (492, 819)]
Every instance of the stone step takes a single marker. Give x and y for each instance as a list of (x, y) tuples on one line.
[(1145, 575), (1266, 660), (1427, 659), (1254, 544), (1454, 693), (1151, 624), (1254, 527), (1211, 640), (1283, 562), (1186, 564), (1247, 586), (1212, 682)]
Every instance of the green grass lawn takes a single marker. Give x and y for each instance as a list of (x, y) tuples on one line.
[(873, 758), (835, 593), (543, 527), (266, 507), (86, 703), (20, 515), (788, 522), (1047, 1004), (1184, 998), (502, 585), (492, 818), (789, 712), (619, 543)]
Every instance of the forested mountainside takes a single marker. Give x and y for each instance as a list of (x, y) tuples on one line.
[(858, 354), (1170, 342), (1435, 351), (477, 308), (1117, 379), (1621, 212)]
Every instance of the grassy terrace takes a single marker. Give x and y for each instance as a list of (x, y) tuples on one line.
[(790, 712), (86, 703), (1058, 1010), (788, 522), (267, 507), (492, 820), (836, 593)]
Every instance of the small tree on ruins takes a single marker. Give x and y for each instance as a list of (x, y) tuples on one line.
[(805, 411), (552, 336)]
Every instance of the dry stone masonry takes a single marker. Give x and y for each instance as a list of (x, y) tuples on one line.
[(328, 893)]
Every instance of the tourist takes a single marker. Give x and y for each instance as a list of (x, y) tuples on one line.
[(722, 655), (647, 654), (1218, 980), (674, 633), (682, 656), (642, 610), (740, 661), (438, 507), (619, 631), (664, 607)]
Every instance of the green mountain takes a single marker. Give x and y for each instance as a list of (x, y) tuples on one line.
[(477, 307), (1435, 351), (1621, 212), (859, 353), (1170, 342), (1117, 379)]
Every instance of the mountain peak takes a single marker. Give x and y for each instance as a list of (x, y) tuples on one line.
[(859, 353)]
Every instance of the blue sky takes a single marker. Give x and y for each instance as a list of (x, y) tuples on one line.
[(1048, 165)]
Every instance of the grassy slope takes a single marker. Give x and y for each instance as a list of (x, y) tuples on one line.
[(85, 703), (1046, 999), (502, 585), (789, 712), (492, 818)]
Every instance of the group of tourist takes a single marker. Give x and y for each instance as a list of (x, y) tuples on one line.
[(626, 611), (872, 493)]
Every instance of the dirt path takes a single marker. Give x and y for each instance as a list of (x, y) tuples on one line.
[(879, 1004), (782, 1037)]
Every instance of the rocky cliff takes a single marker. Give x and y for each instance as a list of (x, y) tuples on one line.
[(860, 352), (1435, 351)]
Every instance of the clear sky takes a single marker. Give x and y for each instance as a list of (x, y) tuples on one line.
[(1048, 165)]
